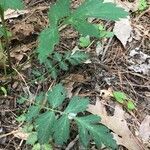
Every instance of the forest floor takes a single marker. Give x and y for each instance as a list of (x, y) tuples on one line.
[(113, 66)]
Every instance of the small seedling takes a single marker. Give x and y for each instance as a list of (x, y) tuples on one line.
[(122, 98), (104, 33), (84, 41), (142, 5)]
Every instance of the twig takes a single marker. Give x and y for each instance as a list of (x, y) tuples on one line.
[(106, 49), (71, 144)]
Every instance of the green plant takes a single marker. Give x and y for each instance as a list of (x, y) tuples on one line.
[(61, 15), (58, 61), (122, 98), (84, 41), (4, 5), (49, 122), (142, 5)]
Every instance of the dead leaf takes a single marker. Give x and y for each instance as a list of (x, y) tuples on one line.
[(140, 62), (144, 130), (122, 30), (10, 13), (21, 135), (117, 124)]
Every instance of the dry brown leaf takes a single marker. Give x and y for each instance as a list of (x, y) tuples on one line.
[(10, 13), (117, 124), (144, 129), (21, 135), (140, 62)]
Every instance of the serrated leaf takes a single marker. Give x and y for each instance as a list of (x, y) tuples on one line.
[(45, 123), (48, 38), (32, 112), (77, 104), (61, 130), (83, 135), (83, 132), (77, 58), (85, 28), (51, 68), (63, 66), (32, 138), (59, 10), (12, 4), (119, 96), (36, 147), (84, 41), (98, 9), (99, 133), (56, 96), (57, 56)]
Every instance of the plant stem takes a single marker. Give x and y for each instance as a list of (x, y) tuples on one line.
[(6, 37)]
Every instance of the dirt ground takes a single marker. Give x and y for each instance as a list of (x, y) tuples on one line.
[(107, 71)]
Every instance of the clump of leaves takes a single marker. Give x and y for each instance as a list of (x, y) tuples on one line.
[(4, 5), (61, 13), (58, 61), (122, 98), (52, 123)]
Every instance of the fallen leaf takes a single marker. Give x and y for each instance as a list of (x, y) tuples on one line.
[(21, 135), (144, 130), (117, 124), (122, 30), (10, 13), (140, 62)]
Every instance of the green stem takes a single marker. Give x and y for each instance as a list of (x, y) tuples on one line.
[(6, 37)]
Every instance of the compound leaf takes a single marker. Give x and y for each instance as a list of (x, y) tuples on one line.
[(77, 57), (59, 10), (56, 96), (77, 104), (32, 112), (12, 4), (99, 133), (61, 130), (48, 38), (98, 9), (45, 124)]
